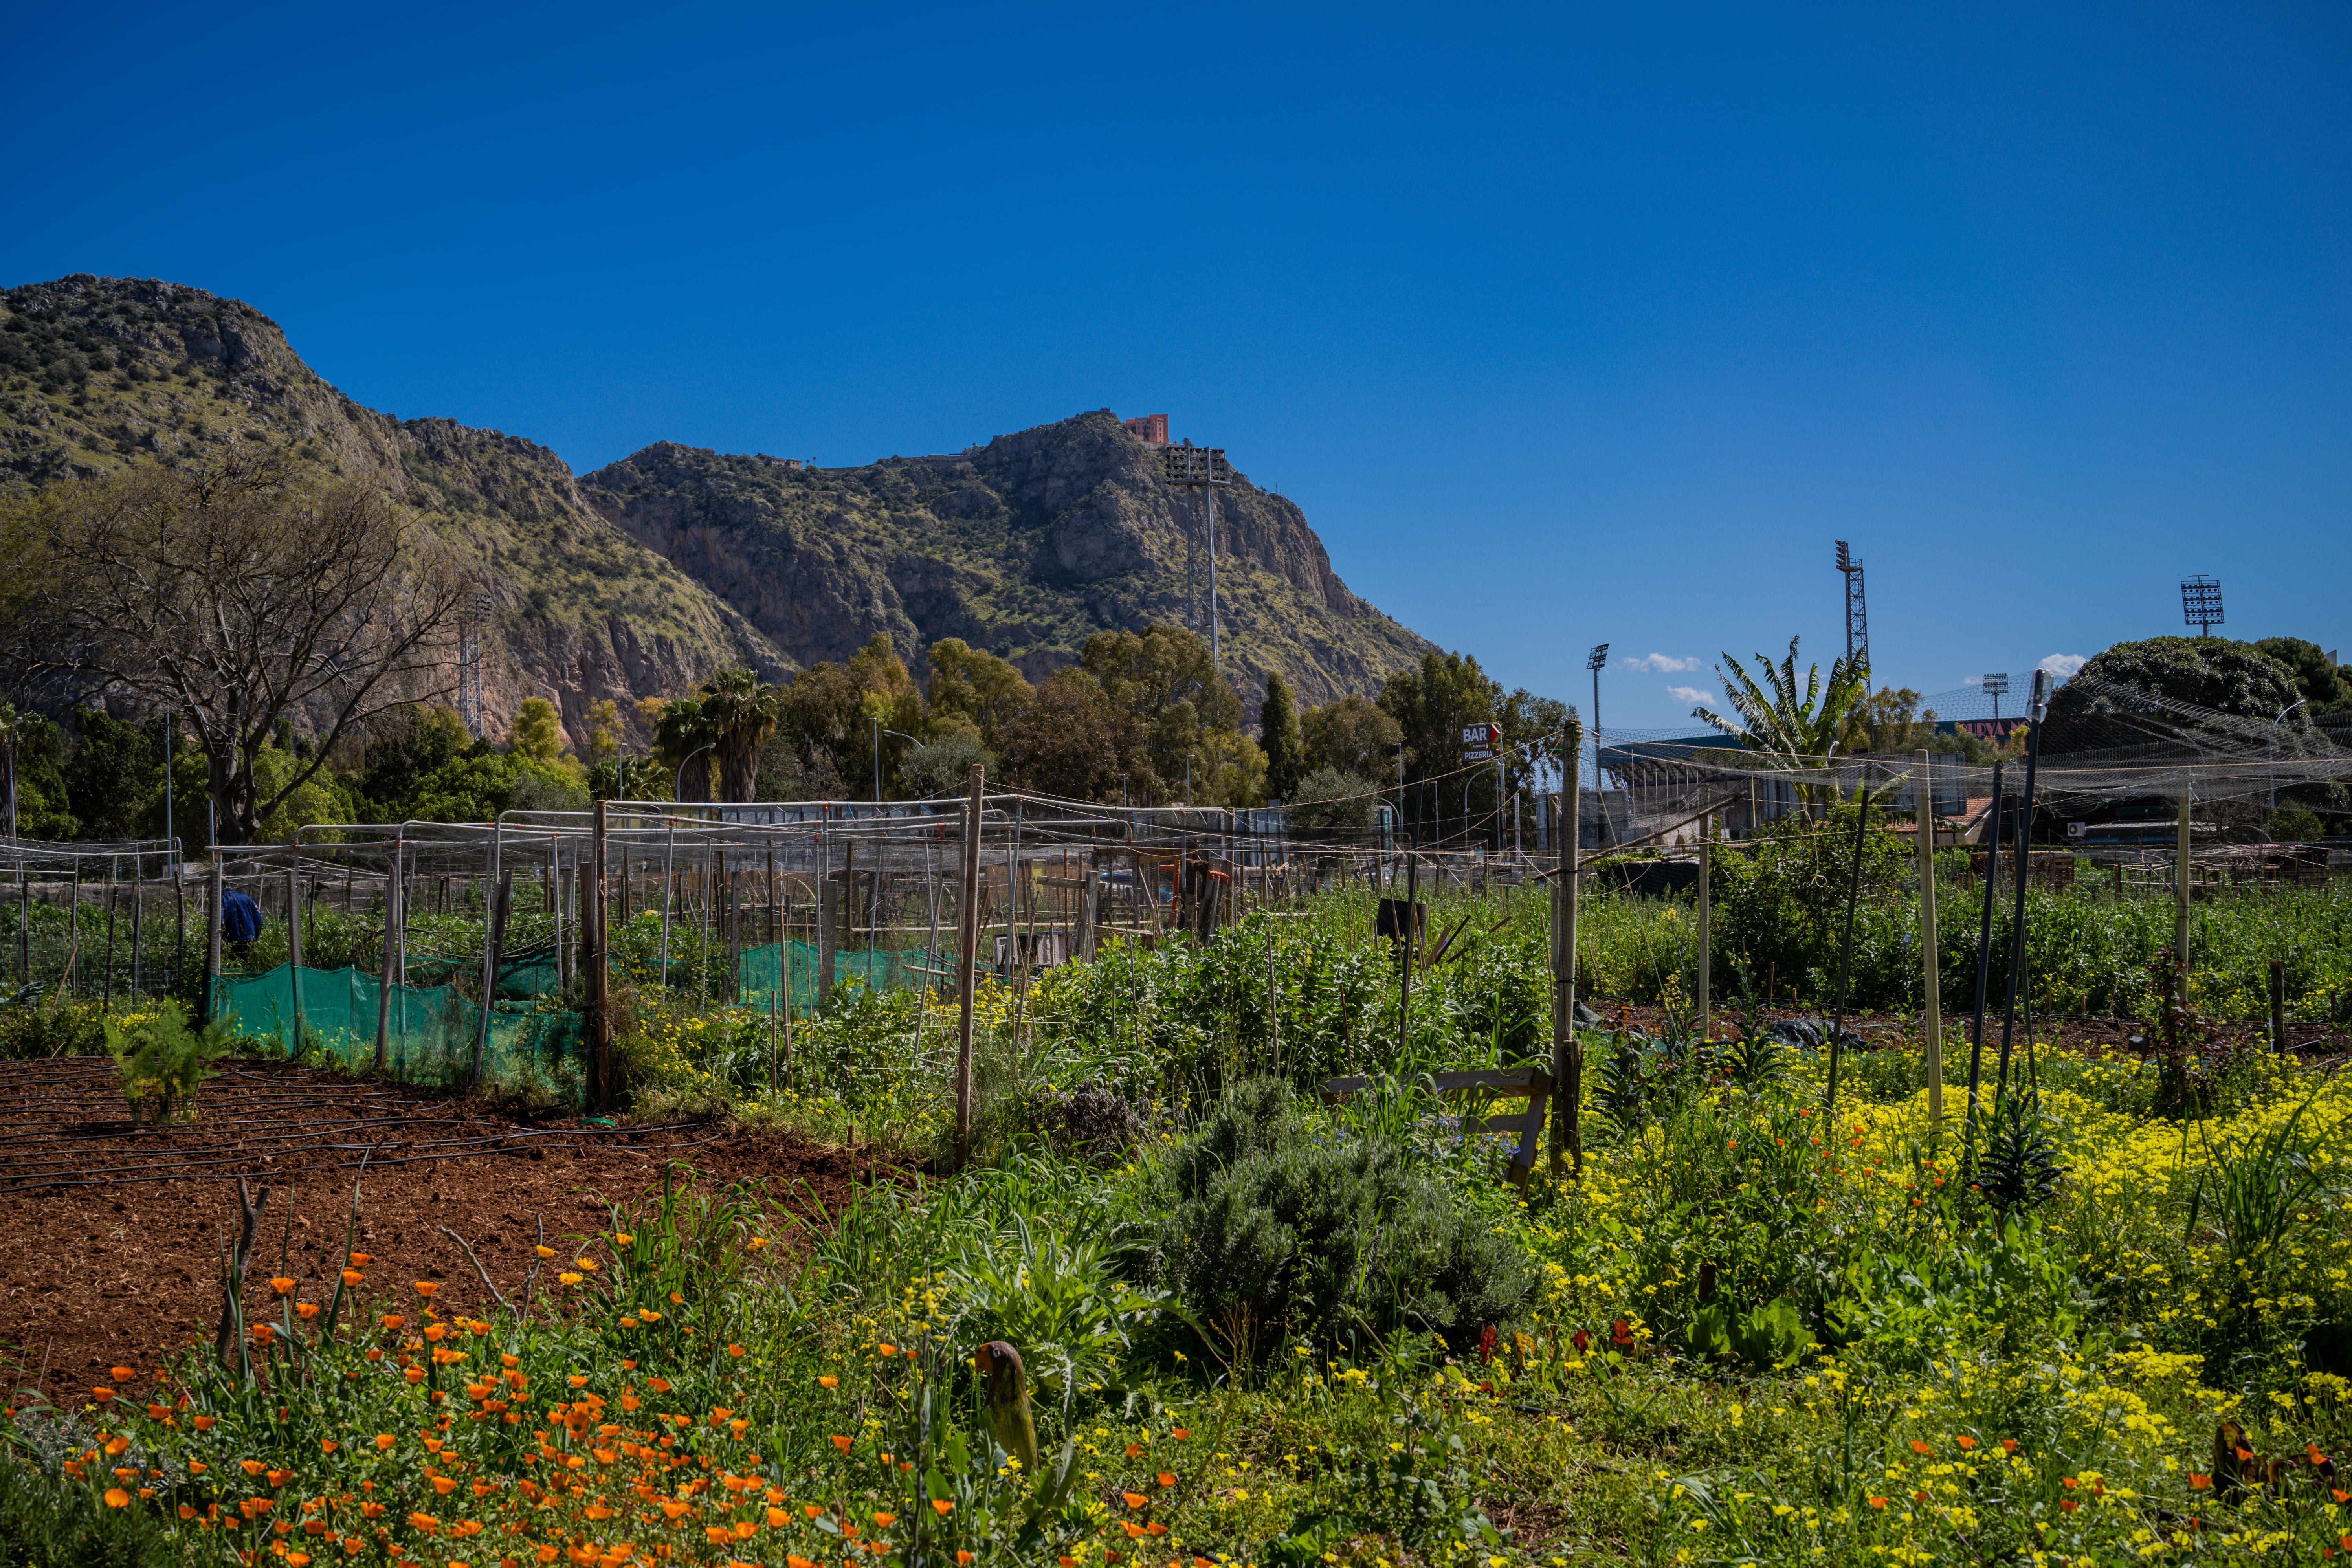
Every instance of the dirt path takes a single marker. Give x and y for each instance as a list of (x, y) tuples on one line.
[(112, 1235)]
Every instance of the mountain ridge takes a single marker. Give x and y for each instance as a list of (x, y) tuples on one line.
[(643, 576)]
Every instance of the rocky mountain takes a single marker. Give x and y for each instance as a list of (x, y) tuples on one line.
[(1025, 546), (649, 573)]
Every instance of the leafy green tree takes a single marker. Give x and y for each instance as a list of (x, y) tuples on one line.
[(1433, 702), (971, 684), (1074, 740), (2209, 672), (31, 750), (1331, 801), (1351, 734), (1284, 750), (405, 748), (1165, 677), (1887, 722), (2322, 682), (538, 731), (114, 777), (829, 720)]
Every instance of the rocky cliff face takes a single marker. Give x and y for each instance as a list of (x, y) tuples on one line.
[(648, 574), (1026, 546), (96, 373)]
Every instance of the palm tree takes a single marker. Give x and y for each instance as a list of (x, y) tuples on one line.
[(683, 729), (742, 713), (1789, 727)]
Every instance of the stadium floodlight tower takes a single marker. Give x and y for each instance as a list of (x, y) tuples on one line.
[(2200, 602), (1857, 617), (1994, 684), (1200, 467)]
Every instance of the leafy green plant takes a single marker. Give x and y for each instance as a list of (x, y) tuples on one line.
[(1274, 1222), (162, 1061), (1061, 1300), (1761, 1339), (2017, 1169)]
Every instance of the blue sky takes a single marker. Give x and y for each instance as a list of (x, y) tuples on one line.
[(1564, 324)]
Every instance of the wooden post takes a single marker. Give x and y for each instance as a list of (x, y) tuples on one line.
[(73, 931), (558, 892), (584, 892), (2181, 869), (967, 948), (113, 873), (138, 914), (601, 1088), (1567, 1046), (392, 923), (294, 942), (1931, 978), (828, 924), (2278, 1005), (1705, 933), (493, 949), (211, 940), (1086, 896), (1411, 951)]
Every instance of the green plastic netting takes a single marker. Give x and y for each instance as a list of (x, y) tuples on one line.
[(882, 969), (432, 1028)]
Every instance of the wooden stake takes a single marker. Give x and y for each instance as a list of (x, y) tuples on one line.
[(601, 1088), (1706, 938), (493, 949), (1567, 1046), (294, 944), (967, 947), (1931, 979), (2278, 1005), (212, 940), (392, 920)]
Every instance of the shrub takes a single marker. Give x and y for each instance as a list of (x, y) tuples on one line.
[(1274, 1222), (162, 1061)]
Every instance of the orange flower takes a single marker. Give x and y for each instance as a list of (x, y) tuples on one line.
[(1166, 1478), (123, 1374), (1878, 1502), (394, 1322), (1179, 1433), (1965, 1441), (962, 1558), (2009, 1445), (778, 1516), (2198, 1483), (361, 1260), (254, 1467), (1135, 1500), (117, 1497), (828, 1381), (544, 1251), (841, 1442), (425, 1288), (2068, 1505), (306, 1310), (102, 1396), (328, 1444), (444, 1485), (886, 1350), (1920, 1447), (793, 1560), (885, 1521), (942, 1507), (385, 1440)]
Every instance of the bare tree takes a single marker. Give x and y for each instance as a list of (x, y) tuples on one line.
[(240, 594)]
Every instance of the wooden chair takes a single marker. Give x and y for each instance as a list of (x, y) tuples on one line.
[(1533, 1084)]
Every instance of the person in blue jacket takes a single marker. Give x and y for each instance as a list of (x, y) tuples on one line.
[(240, 921)]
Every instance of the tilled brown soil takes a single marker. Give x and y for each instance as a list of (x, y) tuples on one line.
[(111, 1235)]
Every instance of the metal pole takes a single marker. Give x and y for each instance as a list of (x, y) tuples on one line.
[(1845, 954), (2038, 704), (1566, 1048), (669, 869), (2180, 870), (212, 942), (1216, 659), (1984, 945), (967, 944), (392, 921), (294, 940), (1931, 1004)]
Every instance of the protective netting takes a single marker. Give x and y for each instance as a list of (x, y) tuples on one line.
[(431, 1030), (2103, 746), (797, 966)]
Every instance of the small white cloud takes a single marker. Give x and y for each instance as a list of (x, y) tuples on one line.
[(1972, 681), (1659, 663), (2063, 664), (1696, 696)]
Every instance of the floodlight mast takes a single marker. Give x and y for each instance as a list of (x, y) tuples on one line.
[(1857, 614), (1996, 684), (1201, 467), (2200, 602)]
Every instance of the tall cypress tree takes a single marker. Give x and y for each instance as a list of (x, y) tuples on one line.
[(1286, 755)]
